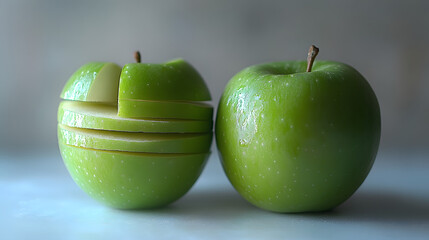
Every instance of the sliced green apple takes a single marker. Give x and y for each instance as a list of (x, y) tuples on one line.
[(173, 80), (94, 82), (104, 117), (132, 180), (165, 109), (135, 142)]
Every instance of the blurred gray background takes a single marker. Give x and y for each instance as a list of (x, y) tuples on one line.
[(43, 42)]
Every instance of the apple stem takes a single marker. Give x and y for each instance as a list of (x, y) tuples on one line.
[(137, 56), (312, 53)]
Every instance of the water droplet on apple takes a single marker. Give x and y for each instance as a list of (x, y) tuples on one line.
[(243, 143)]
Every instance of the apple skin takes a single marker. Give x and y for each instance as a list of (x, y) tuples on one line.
[(130, 163), (170, 81), (93, 82), (293, 141), (165, 109), (135, 141), (105, 117), (132, 180)]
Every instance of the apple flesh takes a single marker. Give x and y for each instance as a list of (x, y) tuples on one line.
[(296, 141), (170, 81), (132, 180), (135, 141), (94, 82), (105, 117), (165, 109)]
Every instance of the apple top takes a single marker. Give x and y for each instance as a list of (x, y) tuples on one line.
[(93, 82), (173, 80)]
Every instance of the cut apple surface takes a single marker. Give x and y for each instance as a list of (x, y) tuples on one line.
[(135, 142), (132, 180), (94, 82), (165, 109), (170, 81), (105, 117)]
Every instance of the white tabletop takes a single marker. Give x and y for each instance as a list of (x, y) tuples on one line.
[(39, 200)]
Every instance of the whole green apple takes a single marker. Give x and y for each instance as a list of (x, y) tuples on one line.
[(292, 140)]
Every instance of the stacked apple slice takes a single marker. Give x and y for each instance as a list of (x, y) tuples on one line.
[(137, 136)]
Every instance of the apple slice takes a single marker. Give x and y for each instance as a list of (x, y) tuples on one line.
[(165, 109), (173, 80), (135, 142), (94, 82), (132, 180), (104, 117)]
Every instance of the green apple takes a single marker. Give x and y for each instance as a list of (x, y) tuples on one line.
[(94, 82), (170, 81), (297, 141), (135, 141), (165, 109), (105, 117), (127, 162), (132, 180)]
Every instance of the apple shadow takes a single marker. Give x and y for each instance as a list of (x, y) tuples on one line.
[(214, 204), (380, 206), (367, 206), (364, 206)]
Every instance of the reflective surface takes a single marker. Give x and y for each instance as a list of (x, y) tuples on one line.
[(40, 200)]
